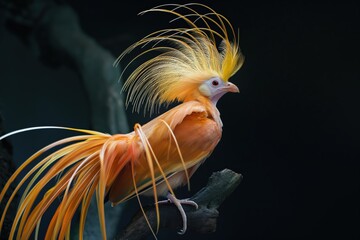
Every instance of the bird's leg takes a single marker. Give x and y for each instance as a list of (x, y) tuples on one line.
[(178, 203)]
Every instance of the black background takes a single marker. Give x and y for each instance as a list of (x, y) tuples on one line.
[(292, 131)]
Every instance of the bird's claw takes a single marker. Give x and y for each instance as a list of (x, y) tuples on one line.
[(182, 202), (178, 203), (188, 202)]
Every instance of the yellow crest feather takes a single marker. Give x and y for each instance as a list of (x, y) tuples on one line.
[(188, 56)]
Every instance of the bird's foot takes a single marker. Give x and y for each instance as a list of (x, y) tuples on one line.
[(178, 203)]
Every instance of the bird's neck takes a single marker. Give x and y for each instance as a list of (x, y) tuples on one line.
[(211, 109)]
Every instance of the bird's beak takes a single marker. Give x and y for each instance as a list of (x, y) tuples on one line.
[(230, 87)]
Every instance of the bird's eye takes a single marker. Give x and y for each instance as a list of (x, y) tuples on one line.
[(215, 83)]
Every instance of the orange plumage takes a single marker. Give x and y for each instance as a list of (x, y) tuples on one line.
[(155, 158)]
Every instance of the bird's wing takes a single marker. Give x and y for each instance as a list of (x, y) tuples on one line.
[(177, 140)]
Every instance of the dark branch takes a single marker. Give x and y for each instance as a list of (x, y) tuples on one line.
[(203, 220)]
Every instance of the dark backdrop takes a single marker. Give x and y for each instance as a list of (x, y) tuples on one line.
[(292, 131)]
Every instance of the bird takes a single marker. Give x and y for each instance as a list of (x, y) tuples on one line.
[(188, 67)]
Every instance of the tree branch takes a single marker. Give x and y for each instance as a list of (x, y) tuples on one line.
[(202, 220)]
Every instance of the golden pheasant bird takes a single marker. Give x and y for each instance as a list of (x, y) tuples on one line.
[(192, 67)]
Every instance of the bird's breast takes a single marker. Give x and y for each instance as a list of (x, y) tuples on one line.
[(196, 137), (197, 133)]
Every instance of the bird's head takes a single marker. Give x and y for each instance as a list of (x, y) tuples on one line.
[(193, 63), (214, 88)]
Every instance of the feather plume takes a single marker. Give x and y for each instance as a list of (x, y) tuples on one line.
[(207, 48)]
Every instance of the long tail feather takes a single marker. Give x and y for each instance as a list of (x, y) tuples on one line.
[(85, 166)]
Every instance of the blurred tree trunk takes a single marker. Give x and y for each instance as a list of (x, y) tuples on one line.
[(7, 168), (52, 31)]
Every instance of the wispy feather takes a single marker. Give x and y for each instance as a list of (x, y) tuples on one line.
[(187, 56)]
